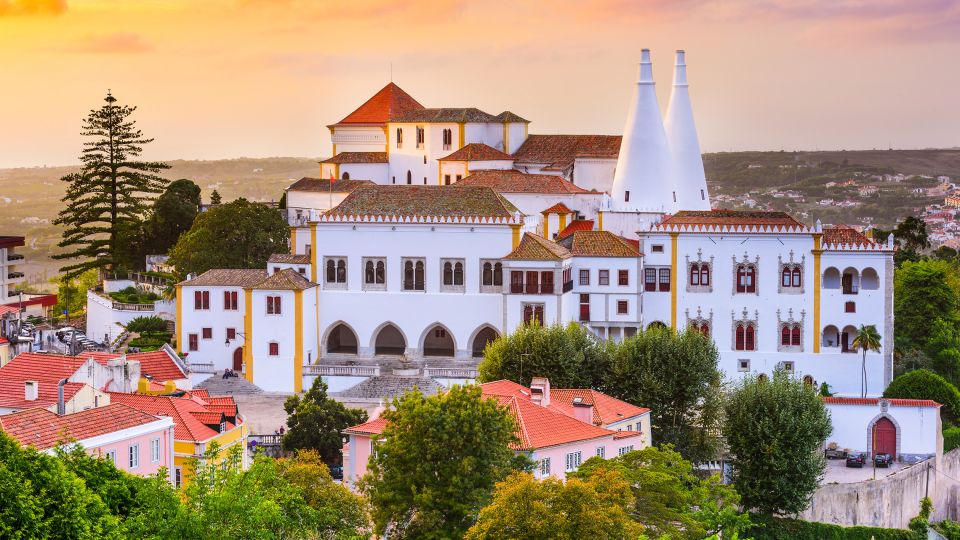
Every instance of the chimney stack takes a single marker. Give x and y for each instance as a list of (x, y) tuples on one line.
[(540, 391), (642, 180), (31, 390), (687, 163), (61, 404)]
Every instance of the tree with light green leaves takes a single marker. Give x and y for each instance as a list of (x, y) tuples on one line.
[(437, 461)]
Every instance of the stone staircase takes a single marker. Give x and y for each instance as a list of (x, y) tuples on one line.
[(389, 386), (218, 386)]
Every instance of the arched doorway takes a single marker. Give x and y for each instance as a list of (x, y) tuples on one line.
[(483, 338), (342, 340), (238, 359), (885, 437), (438, 342), (390, 341)]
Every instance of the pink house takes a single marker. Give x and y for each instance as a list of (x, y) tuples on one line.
[(136, 442), (558, 430)]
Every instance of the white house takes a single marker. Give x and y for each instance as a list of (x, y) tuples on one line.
[(907, 429)]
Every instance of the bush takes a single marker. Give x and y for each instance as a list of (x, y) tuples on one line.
[(951, 438), (147, 324), (794, 529), (925, 384)]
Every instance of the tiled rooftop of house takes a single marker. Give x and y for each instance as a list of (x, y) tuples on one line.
[(874, 401), (373, 427), (534, 247), (513, 181), (158, 365), (390, 102), (47, 370), (507, 116), (227, 277), (597, 244), (477, 152), (187, 413), (606, 409), (445, 114), (750, 218), (424, 201), (44, 429), (287, 258), (358, 157), (574, 226), (844, 234), (287, 279), (558, 208), (558, 152), (340, 185)]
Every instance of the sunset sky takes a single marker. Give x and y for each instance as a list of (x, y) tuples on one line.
[(229, 78)]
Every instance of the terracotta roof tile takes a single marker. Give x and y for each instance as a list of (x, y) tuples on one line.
[(844, 234), (513, 181), (534, 247), (558, 208), (373, 427), (446, 114), (390, 102), (477, 152), (47, 370), (323, 185), (227, 277), (44, 429), (158, 365), (732, 217), (509, 117), (597, 244), (574, 226), (288, 258), (358, 157), (8, 309), (287, 279), (424, 201), (606, 409), (874, 401), (187, 427), (559, 151)]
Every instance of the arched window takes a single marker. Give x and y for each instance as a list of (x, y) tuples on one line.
[(381, 272), (418, 276), (408, 275), (704, 275), (341, 271), (746, 278), (345, 175), (740, 337), (498, 274), (399, 138), (409, 177), (785, 279), (369, 274), (700, 326), (331, 271), (487, 278), (785, 335), (694, 275), (458, 273), (797, 279), (750, 339), (448, 273), (795, 336)]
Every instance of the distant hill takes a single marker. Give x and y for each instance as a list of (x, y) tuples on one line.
[(30, 197)]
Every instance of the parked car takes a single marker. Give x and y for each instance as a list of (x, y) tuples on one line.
[(833, 452), (882, 460), (856, 460), (336, 471)]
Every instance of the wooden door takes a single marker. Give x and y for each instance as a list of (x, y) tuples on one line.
[(238, 359), (885, 437)]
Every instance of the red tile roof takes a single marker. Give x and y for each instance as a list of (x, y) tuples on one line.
[(288, 258), (597, 244), (358, 157), (8, 309), (477, 152), (576, 225), (227, 277), (541, 427), (47, 370), (874, 401), (534, 247), (389, 103), (373, 427), (606, 409), (424, 201), (513, 181), (558, 208), (751, 218), (43, 429), (11, 241), (447, 114), (558, 152), (158, 365), (3, 340), (844, 234), (287, 279), (340, 185), (187, 426)]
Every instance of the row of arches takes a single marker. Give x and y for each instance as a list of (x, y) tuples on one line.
[(834, 337), (437, 340), (850, 280)]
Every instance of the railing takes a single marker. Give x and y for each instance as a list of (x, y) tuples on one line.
[(450, 373), (120, 306), (14, 275), (176, 357), (265, 440), (201, 367), (14, 257), (349, 371), (147, 278)]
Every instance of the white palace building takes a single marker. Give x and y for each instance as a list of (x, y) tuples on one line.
[(432, 231)]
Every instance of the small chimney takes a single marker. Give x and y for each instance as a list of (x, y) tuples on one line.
[(31, 390), (61, 404), (540, 391), (582, 410)]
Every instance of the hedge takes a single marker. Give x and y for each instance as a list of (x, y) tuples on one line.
[(147, 324), (766, 528), (951, 438)]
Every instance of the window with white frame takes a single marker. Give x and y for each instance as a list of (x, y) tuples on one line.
[(624, 449), (134, 456), (414, 274), (491, 275), (155, 450), (451, 275), (112, 456), (743, 365), (574, 459), (335, 272), (584, 276), (374, 274), (545, 467), (603, 277), (602, 452)]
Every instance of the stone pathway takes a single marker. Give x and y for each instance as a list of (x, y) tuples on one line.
[(388, 386)]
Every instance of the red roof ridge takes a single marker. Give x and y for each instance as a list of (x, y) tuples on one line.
[(389, 102), (896, 402)]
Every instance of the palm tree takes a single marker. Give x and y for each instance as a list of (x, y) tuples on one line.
[(868, 339)]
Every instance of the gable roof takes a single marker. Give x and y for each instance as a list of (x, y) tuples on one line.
[(47, 370), (845, 234), (373, 427), (390, 102), (358, 157), (514, 181), (287, 279), (558, 208), (227, 277), (606, 409), (750, 218), (534, 247), (446, 114), (187, 426), (558, 152), (875, 401), (424, 201), (158, 365), (597, 244), (574, 226), (509, 117), (44, 429), (477, 152), (288, 258), (318, 184)]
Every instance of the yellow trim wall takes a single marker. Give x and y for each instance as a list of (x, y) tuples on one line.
[(179, 328), (817, 251), (298, 342), (599, 221), (515, 237), (506, 137), (674, 281), (313, 252), (185, 451), (293, 240), (248, 334), (462, 134), (563, 222)]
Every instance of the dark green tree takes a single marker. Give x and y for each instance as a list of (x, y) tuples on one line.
[(676, 376), (568, 355), (111, 192), (437, 463), (238, 234), (925, 384), (315, 422), (924, 291), (911, 238), (215, 197), (775, 430), (172, 215)]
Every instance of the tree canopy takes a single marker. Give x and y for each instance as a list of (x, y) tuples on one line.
[(172, 215), (238, 234), (110, 193), (775, 430), (437, 463), (924, 292), (925, 384), (315, 422)]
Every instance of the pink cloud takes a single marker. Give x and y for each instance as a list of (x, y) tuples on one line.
[(117, 43)]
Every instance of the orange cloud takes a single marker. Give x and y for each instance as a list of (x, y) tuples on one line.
[(32, 7), (118, 43)]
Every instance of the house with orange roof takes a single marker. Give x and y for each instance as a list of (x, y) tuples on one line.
[(199, 421), (136, 442), (557, 432)]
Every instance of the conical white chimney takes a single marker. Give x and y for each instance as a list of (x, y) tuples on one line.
[(689, 179), (642, 180)]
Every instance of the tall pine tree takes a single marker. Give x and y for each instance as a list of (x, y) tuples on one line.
[(113, 190)]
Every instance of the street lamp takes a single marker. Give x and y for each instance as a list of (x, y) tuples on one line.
[(226, 342)]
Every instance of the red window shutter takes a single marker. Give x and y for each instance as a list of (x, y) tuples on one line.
[(532, 282), (796, 335), (694, 275), (197, 300), (750, 345), (233, 300), (207, 333), (650, 280), (276, 304), (664, 280), (274, 349), (226, 300), (740, 337), (785, 278), (527, 314), (231, 333), (538, 314), (269, 305), (206, 299), (705, 329), (516, 282), (797, 277), (193, 342), (785, 336)]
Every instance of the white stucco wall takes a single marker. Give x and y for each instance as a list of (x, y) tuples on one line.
[(918, 428)]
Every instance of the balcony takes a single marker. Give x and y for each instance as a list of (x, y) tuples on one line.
[(14, 257), (14, 275), (567, 286)]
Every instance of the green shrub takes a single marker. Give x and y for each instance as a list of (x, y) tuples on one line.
[(925, 384), (951, 438), (793, 529), (147, 324)]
